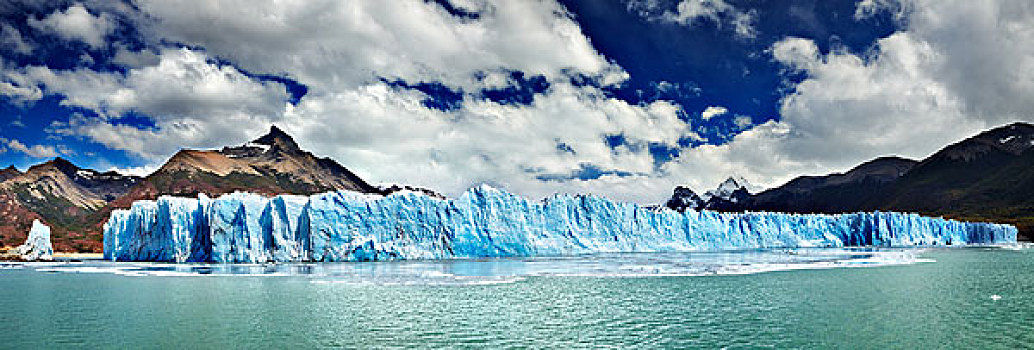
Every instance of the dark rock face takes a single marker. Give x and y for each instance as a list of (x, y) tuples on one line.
[(684, 198)]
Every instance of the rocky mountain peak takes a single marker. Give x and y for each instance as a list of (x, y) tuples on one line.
[(726, 189), (277, 138), (9, 172), (684, 198), (275, 143), (1014, 138), (59, 164)]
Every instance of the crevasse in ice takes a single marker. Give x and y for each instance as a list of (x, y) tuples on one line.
[(485, 222)]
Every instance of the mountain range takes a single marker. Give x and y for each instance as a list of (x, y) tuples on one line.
[(987, 177)]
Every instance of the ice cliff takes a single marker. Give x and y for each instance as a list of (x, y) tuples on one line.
[(37, 246), (485, 222)]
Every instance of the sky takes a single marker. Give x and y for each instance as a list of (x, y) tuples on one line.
[(621, 98)]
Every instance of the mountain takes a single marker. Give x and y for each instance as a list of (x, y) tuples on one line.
[(272, 164), (848, 191), (59, 193), (727, 189), (730, 192), (76, 202), (684, 198), (8, 173), (987, 177)]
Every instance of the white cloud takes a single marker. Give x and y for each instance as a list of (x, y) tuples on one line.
[(388, 135), (135, 59), (796, 53), (868, 8), (955, 69), (383, 133), (140, 171), (340, 50), (76, 23), (11, 39), (332, 45), (713, 111), (17, 122), (35, 151), (689, 12), (742, 121), (192, 102)]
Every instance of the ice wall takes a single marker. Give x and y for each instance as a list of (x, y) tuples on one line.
[(485, 222), (37, 246)]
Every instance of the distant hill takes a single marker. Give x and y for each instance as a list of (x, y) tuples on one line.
[(987, 177)]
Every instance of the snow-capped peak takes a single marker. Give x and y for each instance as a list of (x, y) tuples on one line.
[(727, 187)]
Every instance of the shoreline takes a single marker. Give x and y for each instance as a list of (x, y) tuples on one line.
[(7, 254), (77, 255)]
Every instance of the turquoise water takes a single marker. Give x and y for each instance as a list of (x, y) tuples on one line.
[(938, 298)]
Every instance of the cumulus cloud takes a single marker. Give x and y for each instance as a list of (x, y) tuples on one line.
[(77, 23), (383, 132), (344, 52), (388, 134), (140, 171), (191, 101), (334, 45), (955, 69), (11, 39), (742, 121), (35, 151), (689, 12), (923, 87), (713, 111)]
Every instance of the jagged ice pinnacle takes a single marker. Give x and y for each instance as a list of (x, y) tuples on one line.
[(37, 246), (485, 222)]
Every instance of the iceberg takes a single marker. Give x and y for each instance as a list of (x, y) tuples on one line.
[(486, 222), (37, 246)]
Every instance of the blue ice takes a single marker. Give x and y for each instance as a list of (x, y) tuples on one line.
[(486, 222)]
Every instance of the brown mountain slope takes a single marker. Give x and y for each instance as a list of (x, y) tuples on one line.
[(60, 194), (272, 164)]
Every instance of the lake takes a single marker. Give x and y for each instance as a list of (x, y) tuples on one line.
[(788, 298)]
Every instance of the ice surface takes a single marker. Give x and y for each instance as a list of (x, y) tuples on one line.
[(486, 222), (37, 246)]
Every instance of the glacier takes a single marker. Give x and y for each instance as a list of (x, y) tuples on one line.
[(37, 245), (486, 222)]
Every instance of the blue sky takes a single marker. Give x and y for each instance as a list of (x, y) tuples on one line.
[(621, 98)]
